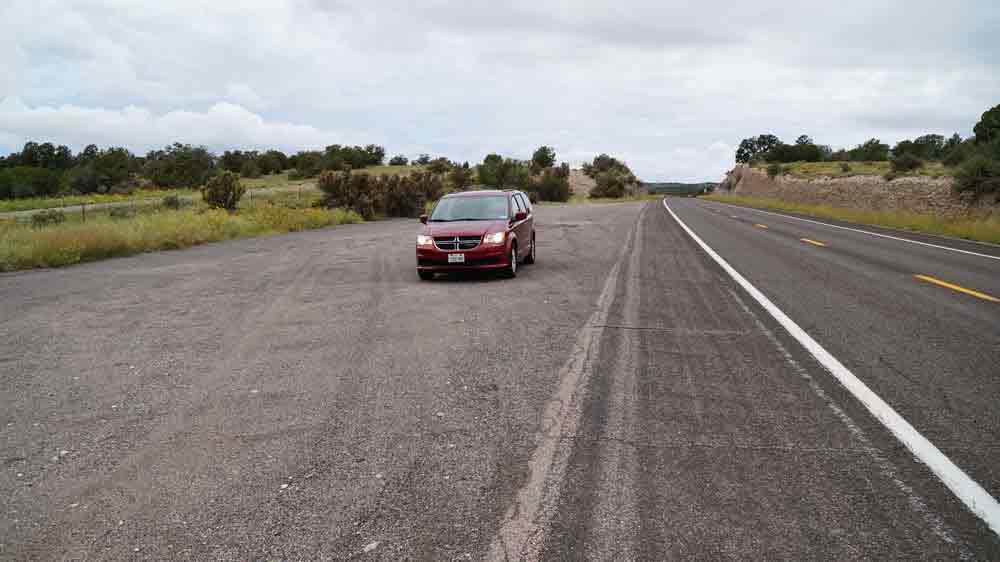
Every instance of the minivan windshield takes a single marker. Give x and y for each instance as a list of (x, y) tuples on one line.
[(470, 209)]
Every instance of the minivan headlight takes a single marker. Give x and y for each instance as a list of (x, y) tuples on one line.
[(423, 240), (494, 238)]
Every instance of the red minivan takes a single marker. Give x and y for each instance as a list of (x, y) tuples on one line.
[(477, 230)]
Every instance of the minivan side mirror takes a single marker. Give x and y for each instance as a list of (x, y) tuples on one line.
[(423, 219), (520, 216)]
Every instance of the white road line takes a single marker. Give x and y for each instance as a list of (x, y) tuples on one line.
[(885, 466), (940, 247), (975, 498)]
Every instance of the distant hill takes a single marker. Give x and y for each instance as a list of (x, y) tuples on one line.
[(675, 188)]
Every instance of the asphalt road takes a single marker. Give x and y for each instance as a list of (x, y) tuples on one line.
[(305, 397)]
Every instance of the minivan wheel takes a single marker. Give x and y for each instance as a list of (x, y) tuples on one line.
[(530, 259), (425, 275), (511, 270)]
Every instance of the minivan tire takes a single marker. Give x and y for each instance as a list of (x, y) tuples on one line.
[(530, 258), (511, 269)]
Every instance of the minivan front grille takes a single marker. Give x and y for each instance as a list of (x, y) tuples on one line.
[(450, 243)]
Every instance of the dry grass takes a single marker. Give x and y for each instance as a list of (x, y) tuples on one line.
[(983, 228), (23, 247), (31, 203)]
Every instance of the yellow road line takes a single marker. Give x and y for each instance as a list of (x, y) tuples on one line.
[(813, 242), (954, 287), (764, 226)]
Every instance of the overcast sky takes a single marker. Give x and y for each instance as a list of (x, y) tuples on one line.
[(671, 87)]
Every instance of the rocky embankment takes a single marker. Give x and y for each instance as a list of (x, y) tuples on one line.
[(910, 193)]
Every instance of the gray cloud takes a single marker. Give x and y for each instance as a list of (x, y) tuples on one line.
[(670, 87)]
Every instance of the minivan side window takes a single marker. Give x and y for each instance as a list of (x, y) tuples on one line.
[(520, 202), (519, 206)]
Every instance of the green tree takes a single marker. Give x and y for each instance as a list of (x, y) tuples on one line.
[(398, 160), (754, 148), (307, 163), (544, 157), (987, 130), (180, 165), (28, 181), (873, 150), (501, 173), (604, 163)]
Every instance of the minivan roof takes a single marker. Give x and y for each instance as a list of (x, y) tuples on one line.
[(477, 193)]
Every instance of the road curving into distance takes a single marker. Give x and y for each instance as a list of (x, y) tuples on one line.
[(626, 398)]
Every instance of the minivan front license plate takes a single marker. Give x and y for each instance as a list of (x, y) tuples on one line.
[(456, 258)]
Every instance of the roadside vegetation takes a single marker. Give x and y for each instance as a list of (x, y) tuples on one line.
[(185, 195), (984, 227), (54, 238), (833, 169), (612, 177), (974, 162)]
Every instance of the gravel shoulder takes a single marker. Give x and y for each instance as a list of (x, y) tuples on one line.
[(296, 397)]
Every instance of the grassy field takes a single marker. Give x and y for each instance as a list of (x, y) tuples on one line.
[(982, 228), (30, 203), (268, 182), (24, 247), (810, 170)]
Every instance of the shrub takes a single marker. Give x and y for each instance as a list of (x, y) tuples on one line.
[(979, 175), (613, 184), (551, 185), (250, 169), (388, 195), (460, 177), (439, 165), (223, 191), (774, 170), (172, 202), (119, 213), (845, 167), (47, 217), (604, 163), (126, 187), (955, 157), (906, 162)]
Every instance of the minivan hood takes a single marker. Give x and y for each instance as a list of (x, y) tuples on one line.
[(464, 228)]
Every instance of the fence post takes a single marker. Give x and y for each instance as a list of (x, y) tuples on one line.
[(83, 211)]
